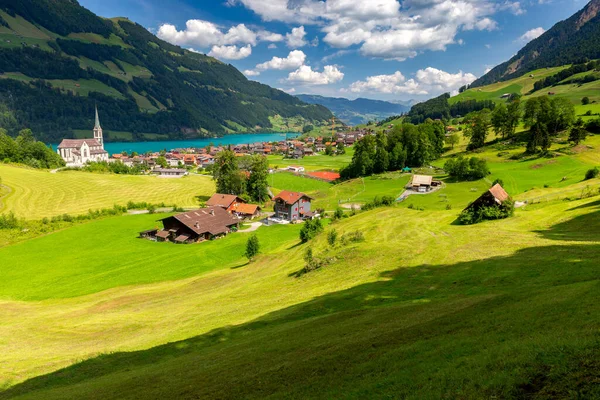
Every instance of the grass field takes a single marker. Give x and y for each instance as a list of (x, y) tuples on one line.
[(36, 194), (288, 181), (416, 311), (316, 162)]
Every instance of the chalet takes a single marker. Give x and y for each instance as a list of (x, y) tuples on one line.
[(190, 160), (170, 172), (492, 198), (196, 226), (292, 206), (225, 201)]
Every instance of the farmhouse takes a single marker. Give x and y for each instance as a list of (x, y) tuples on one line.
[(77, 152), (292, 206), (423, 183), (196, 226), (245, 211), (491, 198)]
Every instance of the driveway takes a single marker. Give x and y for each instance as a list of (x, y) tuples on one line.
[(253, 227)]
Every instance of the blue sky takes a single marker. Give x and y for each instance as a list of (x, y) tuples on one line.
[(382, 49)]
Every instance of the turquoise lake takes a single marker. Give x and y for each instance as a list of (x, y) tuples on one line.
[(143, 147)]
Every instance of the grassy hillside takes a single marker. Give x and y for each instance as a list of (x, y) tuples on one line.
[(35, 194), (415, 311)]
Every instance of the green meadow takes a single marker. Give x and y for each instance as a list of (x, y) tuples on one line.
[(288, 181), (314, 163)]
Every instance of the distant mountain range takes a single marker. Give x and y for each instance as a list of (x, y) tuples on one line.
[(359, 111), (58, 60), (568, 42)]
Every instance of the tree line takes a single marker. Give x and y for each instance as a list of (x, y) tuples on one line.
[(26, 150), (566, 73), (405, 144)]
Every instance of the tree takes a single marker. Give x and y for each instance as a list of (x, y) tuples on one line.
[(453, 140), (332, 237), (585, 101), (329, 150), (162, 161), (382, 159), (341, 149), (227, 174), (478, 124), (252, 248), (467, 169), (310, 229), (258, 186), (577, 133), (499, 119), (307, 128)]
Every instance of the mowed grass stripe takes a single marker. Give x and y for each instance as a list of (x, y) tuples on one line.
[(38, 193)]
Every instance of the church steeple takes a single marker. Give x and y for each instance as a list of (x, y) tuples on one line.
[(98, 130)]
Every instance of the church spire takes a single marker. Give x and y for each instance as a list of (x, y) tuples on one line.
[(97, 125), (98, 130)]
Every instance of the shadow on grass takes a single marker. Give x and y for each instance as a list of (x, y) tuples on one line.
[(241, 265), (449, 324)]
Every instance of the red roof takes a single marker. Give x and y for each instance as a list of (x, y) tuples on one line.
[(291, 197), (499, 193), (248, 209), (325, 175)]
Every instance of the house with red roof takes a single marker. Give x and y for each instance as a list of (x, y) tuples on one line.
[(292, 206)]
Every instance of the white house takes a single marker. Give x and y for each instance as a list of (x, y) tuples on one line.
[(77, 152)]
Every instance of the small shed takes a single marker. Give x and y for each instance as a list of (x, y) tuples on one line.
[(495, 196), (421, 183)]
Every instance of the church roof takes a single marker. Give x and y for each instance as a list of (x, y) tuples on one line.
[(97, 124), (77, 143)]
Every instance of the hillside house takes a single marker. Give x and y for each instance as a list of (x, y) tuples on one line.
[(245, 211), (292, 206), (493, 197), (196, 226)]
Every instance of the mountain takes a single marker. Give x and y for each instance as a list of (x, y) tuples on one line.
[(568, 42), (355, 112), (58, 60)]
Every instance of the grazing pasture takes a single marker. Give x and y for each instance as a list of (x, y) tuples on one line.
[(38, 193), (288, 181)]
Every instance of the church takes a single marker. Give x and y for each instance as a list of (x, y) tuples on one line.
[(77, 152)]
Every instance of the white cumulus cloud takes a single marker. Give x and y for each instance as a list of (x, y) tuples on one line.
[(295, 38), (294, 60), (230, 52), (428, 81), (307, 76), (532, 34)]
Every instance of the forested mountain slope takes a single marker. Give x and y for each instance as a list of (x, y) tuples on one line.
[(57, 60), (568, 42)]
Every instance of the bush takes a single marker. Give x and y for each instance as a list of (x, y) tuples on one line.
[(310, 229), (384, 201), (252, 248), (352, 237), (332, 237), (467, 169), (338, 214), (9, 221), (585, 101), (592, 173), (498, 181)]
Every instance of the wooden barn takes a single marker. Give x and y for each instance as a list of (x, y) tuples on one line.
[(197, 226), (495, 196)]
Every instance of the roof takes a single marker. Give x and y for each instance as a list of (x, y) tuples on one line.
[(223, 200), (213, 220), (291, 197), (182, 238), (77, 143), (242, 208), (419, 180), (163, 234), (325, 175), (499, 193)]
